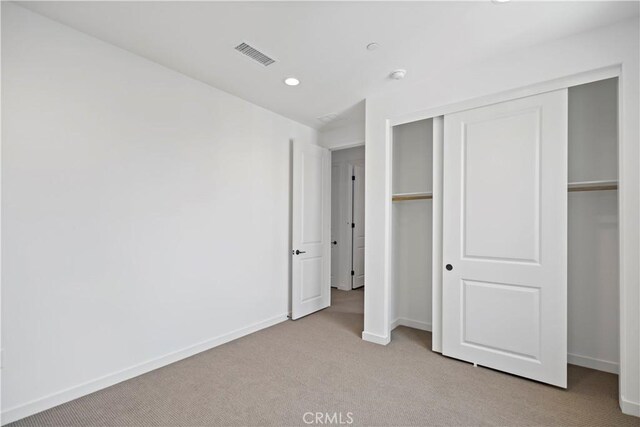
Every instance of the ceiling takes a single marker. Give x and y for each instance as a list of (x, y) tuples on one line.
[(324, 43)]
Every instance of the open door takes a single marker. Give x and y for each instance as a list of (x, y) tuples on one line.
[(505, 237), (311, 230)]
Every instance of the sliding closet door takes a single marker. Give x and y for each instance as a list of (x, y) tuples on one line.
[(505, 237)]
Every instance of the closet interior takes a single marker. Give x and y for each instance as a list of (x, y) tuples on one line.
[(412, 184), (593, 261)]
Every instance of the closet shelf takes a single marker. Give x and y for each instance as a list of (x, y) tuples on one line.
[(593, 186), (403, 197)]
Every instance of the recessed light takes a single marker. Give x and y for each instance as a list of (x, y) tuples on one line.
[(373, 46), (398, 74), (500, 1), (291, 81)]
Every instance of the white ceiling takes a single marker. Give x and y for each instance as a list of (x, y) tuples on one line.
[(323, 43)]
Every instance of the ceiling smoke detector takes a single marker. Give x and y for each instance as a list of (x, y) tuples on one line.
[(398, 74)]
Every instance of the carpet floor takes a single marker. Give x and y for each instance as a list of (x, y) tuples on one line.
[(320, 364)]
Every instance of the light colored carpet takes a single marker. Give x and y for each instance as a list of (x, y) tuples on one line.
[(319, 363)]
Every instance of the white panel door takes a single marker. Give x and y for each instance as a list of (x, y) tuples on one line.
[(505, 237), (358, 229), (311, 230)]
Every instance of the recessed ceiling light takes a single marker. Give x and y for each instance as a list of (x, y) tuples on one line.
[(373, 46), (500, 1), (398, 74), (291, 81)]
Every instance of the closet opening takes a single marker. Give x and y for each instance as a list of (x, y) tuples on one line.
[(347, 219), (593, 261), (412, 225), (593, 313)]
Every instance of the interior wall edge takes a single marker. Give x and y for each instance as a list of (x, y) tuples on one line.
[(629, 407), (376, 339)]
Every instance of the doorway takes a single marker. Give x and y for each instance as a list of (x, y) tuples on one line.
[(347, 218)]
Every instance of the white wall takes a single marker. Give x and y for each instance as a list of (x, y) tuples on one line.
[(347, 135), (145, 215), (593, 297), (353, 155), (341, 164), (613, 45), (412, 225)]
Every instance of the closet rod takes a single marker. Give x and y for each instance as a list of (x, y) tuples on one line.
[(407, 197), (593, 186), (573, 187)]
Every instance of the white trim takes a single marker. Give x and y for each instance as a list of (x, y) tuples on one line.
[(358, 143), (629, 408), (409, 323), (593, 363), (18, 412), (388, 227), (436, 251), (534, 89), (376, 339)]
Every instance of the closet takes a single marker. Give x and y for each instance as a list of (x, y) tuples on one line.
[(592, 262), (412, 172)]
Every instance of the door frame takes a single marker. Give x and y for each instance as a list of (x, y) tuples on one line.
[(351, 203), (345, 242), (613, 71), (341, 233)]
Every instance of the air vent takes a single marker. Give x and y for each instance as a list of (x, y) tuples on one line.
[(327, 118), (254, 54)]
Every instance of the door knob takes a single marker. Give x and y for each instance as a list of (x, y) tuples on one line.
[(335, 242), (297, 252), (449, 267)]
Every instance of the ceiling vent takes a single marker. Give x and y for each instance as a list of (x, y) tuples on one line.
[(327, 118), (254, 54)]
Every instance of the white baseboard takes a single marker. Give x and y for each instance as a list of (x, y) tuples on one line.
[(376, 339), (18, 412), (629, 408), (590, 362), (341, 287), (415, 324)]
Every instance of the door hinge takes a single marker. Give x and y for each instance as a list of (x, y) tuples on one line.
[(353, 177), (353, 225), (353, 273)]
